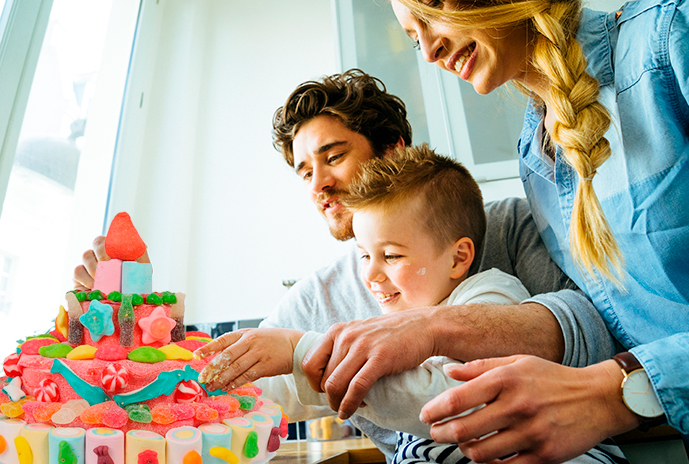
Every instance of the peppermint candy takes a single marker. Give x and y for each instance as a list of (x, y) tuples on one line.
[(47, 391), (11, 366), (188, 391), (114, 377)]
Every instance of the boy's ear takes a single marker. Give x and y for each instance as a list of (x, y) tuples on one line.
[(463, 257), (391, 149)]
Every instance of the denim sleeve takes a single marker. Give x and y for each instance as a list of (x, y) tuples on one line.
[(665, 362), (587, 340), (678, 49)]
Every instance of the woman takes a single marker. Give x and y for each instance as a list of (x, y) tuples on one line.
[(603, 158)]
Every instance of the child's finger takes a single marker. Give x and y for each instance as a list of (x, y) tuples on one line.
[(219, 344)]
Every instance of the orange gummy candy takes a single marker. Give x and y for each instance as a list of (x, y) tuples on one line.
[(163, 415), (45, 411)]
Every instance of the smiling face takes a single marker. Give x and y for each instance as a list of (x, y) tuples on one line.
[(328, 156), (401, 264), (487, 58)]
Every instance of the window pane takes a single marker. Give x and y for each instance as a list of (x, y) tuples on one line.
[(38, 207)]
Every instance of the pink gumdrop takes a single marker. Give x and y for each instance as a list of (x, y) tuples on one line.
[(115, 417), (114, 377), (11, 365), (188, 391), (47, 391)]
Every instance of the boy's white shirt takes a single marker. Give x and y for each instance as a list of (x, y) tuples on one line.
[(394, 402)]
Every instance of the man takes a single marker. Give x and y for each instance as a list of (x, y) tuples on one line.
[(325, 131)]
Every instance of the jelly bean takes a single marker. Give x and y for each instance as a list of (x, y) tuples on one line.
[(251, 445)]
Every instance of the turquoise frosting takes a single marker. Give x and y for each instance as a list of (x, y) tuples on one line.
[(165, 384), (91, 393)]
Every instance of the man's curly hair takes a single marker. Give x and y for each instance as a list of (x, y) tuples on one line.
[(358, 100)]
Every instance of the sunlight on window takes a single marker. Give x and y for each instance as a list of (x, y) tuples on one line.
[(34, 226)]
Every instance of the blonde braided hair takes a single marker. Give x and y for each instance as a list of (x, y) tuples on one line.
[(581, 121)]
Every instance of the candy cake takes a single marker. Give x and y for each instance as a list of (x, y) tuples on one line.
[(116, 381)]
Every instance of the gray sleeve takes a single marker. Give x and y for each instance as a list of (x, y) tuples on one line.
[(513, 245)]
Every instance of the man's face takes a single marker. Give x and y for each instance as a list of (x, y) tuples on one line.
[(328, 156)]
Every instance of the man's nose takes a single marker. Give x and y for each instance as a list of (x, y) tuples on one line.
[(322, 180)]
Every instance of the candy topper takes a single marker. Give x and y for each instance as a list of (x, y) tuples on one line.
[(123, 241)]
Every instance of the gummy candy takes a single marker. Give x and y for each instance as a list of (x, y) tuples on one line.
[(12, 409), (112, 352), (32, 346), (115, 417), (57, 350), (81, 296), (115, 296), (205, 413), (64, 416), (76, 331), (191, 345), (173, 351), (95, 295), (154, 299), (183, 411), (82, 352), (146, 354), (284, 429), (220, 406), (197, 333), (177, 334), (169, 298), (163, 415), (94, 414), (78, 406), (123, 241), (192, 457), (45, 411), (139, 413), (251, 445), (125, 317), (273, 440), (233, 403), (62, 321), (137, 299), (246, 403), (247, 391)]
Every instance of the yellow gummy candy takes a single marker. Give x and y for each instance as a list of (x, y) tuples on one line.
[(176, 352), (24, 452), (82, 352), (62, 322), (12, 410)]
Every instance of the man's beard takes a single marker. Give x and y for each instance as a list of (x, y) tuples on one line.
[(341, 226)]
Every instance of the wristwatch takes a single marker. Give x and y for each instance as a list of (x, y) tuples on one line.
[(637, 392)]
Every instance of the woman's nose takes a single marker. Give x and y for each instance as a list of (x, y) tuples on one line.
[(431, 46)]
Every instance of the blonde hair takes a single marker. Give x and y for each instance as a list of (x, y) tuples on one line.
[(451, 204), (582, 121)]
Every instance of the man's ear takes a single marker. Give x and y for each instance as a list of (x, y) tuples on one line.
[(391, 149), (463, 257)]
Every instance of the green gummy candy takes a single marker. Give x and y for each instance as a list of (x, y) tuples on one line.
[(140, 414), (81, 296), (57, 350), (32, 337), (137, 299), (169, 298), (251, 445), (146, 354), (115, 296), (95, 295), (154, 299), (246, 402)]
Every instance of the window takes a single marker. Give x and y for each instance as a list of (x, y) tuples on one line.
[(65, 143)]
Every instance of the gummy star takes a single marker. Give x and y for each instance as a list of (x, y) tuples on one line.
[(14, 389), (98, 319), (156, 327)]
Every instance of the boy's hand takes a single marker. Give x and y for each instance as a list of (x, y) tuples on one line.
[(247, 355)]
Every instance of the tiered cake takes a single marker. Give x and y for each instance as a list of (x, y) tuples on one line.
[(116, 382)]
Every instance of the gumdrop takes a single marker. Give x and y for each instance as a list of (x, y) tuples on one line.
[(137, 299), (93, 415), (115, 417), (111, 353), (205, 413), (123, 241), (12, 410), (251, 445), (163, 415), (246, 403), (221, 407), (154, 299), (273, 440), (183, 411), (95, 295), (115, 296), (45, 411), (78, 406), (232, 402), (64, 416), (140, 414), (147, 457)]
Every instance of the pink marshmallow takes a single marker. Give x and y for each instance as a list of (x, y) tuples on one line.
[(108, 276)]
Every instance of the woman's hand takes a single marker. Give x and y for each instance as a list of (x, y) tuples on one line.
[(542, 411), (247, 355), (85, 273)]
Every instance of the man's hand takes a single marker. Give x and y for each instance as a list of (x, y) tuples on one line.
[(247, 355), (351, 356), (85, 273), (540, 410)]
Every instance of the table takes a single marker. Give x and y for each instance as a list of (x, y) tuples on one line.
[(349, 451)]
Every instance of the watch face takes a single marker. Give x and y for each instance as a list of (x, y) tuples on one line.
[(639, 396)]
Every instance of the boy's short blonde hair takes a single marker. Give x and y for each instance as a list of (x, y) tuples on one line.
[(451, 202)]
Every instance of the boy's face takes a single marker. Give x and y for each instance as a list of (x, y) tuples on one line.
[(401, 264), (327, 156)]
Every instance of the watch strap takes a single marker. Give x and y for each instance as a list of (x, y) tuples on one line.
[(629, 364)]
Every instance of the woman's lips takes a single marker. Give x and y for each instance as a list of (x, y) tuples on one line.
[(461, 58)]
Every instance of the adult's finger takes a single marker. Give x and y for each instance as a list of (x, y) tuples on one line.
[(316, 360), (98, 247)]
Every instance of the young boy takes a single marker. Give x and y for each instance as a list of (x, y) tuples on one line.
[(419, 220)]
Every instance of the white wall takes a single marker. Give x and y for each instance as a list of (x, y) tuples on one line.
[(225, 217)]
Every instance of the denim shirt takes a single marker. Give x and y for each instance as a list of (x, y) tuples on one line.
[(641, 61)]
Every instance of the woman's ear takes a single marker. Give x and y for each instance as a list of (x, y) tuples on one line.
[(462, 258)]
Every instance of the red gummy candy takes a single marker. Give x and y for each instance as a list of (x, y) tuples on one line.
[(123, 241), (115, 417), (111, 353), (220, 406), (197, 333), (32, 346), (45, 411), (284, 429), (231, 401), (183, 411)]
